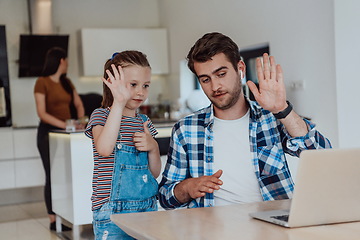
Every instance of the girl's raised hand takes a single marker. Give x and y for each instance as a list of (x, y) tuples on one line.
[(117, 84)]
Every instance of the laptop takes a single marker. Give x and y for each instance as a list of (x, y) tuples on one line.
[(327, 190)]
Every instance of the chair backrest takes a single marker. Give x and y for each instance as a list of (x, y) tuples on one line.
[(91, 101)]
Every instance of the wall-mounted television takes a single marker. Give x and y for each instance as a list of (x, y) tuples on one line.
[(33, 49)]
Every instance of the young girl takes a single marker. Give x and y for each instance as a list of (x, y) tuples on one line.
[(126, 155)]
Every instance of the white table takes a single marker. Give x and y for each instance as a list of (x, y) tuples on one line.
[(71, 178), (226, 222)]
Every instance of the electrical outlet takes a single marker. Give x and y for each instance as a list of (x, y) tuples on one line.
[(298, 85)]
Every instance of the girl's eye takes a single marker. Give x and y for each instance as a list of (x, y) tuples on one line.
[(133, 84), (146, 85)]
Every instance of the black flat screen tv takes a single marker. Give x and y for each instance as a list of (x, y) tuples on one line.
[(33, 49)]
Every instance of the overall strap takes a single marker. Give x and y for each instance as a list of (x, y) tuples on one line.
[(143, 117)]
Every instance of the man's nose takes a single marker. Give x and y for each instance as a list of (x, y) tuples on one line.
[(215, 85)]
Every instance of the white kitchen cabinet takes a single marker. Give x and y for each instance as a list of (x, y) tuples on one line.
[(7, 174), (25, 143), (20, 163), (29, 173), (99, 44), (6, 143)]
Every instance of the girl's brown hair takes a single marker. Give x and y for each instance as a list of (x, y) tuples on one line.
[(124, 59)]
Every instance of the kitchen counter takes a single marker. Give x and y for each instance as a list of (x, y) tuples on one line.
[(71, 172), (71, 166), (163, 136)]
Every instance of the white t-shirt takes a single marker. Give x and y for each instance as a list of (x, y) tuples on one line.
[(232, 155)]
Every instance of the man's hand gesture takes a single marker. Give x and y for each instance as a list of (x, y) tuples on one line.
[(271, 94)]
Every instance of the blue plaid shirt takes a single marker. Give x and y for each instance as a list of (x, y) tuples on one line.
[(191, 154)]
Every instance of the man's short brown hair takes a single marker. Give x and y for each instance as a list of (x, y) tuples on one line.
[(211, 44)]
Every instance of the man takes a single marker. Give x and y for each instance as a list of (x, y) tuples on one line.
[(234, 150)]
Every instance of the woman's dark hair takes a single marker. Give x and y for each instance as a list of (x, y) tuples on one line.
[(211, 44), (52, 61), (124, 59)]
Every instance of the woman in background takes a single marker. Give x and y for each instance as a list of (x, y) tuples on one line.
[(56, 101)]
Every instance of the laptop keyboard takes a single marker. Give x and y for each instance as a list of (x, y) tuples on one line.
[(284, 218)]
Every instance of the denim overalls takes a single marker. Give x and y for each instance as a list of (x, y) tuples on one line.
[(133, 189)]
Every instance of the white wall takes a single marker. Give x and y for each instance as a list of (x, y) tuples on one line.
[(304, 37), (301, 37), (347, 43), (13, 14), (68, 18)]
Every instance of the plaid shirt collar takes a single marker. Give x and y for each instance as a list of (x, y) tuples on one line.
[(255, 112)]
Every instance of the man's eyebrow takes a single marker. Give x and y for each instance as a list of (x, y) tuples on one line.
[(219, 69), (213, 72)]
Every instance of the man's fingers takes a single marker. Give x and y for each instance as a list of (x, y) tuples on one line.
[(259, 69), (214, 186), (209, 187), (206, 189), (218, 173), (266, 67), (279, 74), (198, 194), (272, 68), (253, 88), (216, 182)]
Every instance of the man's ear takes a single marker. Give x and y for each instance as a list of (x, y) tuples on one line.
[(241, 68)]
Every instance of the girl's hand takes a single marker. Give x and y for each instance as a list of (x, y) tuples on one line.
[(117, 85), (144, 141)]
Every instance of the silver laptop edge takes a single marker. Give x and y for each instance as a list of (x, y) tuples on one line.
[(326, 189)]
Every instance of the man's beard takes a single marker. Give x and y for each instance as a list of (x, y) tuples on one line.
[(234, 97)]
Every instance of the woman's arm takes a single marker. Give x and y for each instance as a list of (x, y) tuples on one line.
[(78, 104), (43, 115)]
